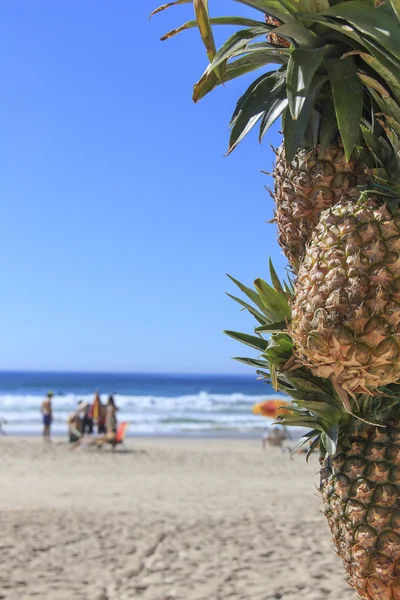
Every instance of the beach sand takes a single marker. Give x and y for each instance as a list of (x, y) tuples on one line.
[(163, 519)]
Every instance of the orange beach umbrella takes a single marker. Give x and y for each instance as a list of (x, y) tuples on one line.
[(271, 408)]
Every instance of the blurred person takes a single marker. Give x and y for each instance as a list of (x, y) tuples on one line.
[(2, 422), (111, 416), (87, 421), (274, 438), (75, 426), (47, 412)]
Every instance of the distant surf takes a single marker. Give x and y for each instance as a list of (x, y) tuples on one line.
[(153, 404)]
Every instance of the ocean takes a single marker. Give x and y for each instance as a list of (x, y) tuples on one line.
[(153, 404)]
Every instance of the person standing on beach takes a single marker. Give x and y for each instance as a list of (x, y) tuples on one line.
[(111, 417), (87, 422), (47, 412)]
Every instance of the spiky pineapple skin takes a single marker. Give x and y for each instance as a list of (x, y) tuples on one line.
[(311, 183), (360, 489), (346, 310)]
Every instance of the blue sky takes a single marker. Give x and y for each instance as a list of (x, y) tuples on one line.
[(120, 216)]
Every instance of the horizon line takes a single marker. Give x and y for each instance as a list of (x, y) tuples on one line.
[(106, 372)]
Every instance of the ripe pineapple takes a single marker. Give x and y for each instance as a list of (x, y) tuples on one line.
[(314, 180), (337, 89), (346, 312), (360, 489)]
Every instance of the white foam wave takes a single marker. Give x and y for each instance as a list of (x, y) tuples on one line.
[(202, 400), (146, 414)]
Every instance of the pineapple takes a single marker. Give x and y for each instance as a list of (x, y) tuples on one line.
[(360, 489), (337, 193), (311, 183), (346, 311)]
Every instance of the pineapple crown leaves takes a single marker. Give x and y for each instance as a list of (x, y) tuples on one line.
[(345, 54)]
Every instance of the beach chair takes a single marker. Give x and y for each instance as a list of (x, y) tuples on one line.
[(120, 435)]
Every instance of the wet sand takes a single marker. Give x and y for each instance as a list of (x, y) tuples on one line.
[(163, 519)]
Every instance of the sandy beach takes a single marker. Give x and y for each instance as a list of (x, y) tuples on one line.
[(163, 519)]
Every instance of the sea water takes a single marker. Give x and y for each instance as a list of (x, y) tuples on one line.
[(153, 404)]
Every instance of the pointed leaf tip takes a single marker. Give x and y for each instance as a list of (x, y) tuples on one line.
[(168, 5)]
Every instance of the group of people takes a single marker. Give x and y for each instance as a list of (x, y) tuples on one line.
[(90, 415), (83, 421)]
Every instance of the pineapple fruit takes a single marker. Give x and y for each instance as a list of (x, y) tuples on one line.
[(360, 490), (337, 194), (346, 311), (314, 181)]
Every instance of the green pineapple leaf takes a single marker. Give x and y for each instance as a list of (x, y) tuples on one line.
[(272, 327), (313, 446), (274, 278), (367, 20), (240, 21), (237, 43), (329, 439), (386, 71), (387, 104), (169, 5), (344, 35), (302, 65), (293, 6), (327, 131), (374, 145), (316, 6), (274, 377), (275, 304), (396, 8), (254, 59), (348, 99), (250, 340), (251, 362), (302, 378), (301, 421), (274, 110), (299, 34), (204, 27), (260, 318), (325, 411), (251, 294), (294, 130), (303, 440), (380, 53), (253, 105)]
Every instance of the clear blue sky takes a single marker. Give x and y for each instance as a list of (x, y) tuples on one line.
[(120, 215)]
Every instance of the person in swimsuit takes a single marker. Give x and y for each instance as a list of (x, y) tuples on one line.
[(47, 412)]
